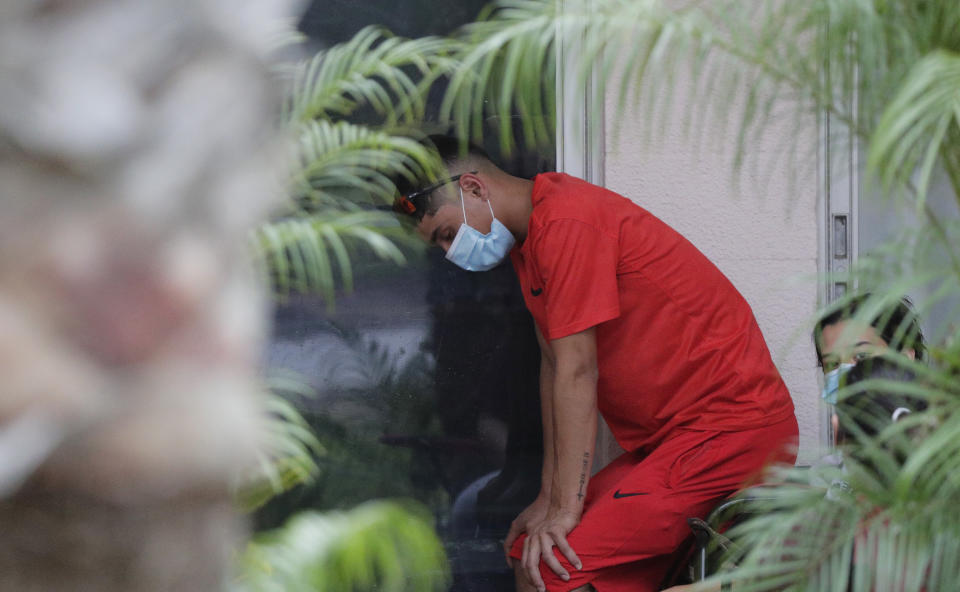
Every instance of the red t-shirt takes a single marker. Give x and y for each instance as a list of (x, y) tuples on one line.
[(677, 345)]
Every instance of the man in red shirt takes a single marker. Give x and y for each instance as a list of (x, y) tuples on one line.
[(634, 323)]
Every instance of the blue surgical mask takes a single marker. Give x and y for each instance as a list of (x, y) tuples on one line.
[(831, 383), (475, 251)]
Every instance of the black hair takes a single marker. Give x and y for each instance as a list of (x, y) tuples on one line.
[(898, 325), (869, 411), (450, 149)]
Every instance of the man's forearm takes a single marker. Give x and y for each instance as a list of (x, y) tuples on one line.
[(569, 391), (546, 415), (574, 436)]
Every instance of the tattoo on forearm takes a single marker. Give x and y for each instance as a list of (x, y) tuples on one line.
[(583, 475)]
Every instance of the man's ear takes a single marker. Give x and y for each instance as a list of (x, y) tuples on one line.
[(473, 186)]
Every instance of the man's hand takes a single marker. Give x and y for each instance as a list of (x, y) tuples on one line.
[(551, 532), (534, 514)]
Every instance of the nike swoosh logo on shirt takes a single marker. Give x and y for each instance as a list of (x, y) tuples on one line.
[(536, 291), (618, 495)]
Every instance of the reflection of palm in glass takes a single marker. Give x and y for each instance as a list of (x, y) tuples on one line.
[(487, 360)]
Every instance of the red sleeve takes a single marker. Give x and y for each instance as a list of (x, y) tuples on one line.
[(578, 264)]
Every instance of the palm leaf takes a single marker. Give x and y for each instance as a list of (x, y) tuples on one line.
[(342, 169), (748, 56), (312, 252), (912, 131), (373, 69), (383, 546), (890, 522), (288, 455), (339, 163)]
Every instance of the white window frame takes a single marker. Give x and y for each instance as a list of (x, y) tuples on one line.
[(839, 166), (580, 119)]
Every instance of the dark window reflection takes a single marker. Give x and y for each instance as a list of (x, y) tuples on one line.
[(426, 376)]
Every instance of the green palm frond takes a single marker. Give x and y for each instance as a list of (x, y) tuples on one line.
[(368, 362), (746, 63), (510, 59), (343, 170), (312, 252), (913, 131), (373, 69), (338, 163), (288, 455), (643, 51), (383, 546), (508, 64), (886, 517)]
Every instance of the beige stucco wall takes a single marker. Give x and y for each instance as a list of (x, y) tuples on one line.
[(762, 233)]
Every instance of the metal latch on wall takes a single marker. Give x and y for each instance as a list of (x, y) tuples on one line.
[(839, 253)]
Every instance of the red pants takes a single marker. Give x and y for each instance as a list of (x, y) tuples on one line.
[(636, 508)]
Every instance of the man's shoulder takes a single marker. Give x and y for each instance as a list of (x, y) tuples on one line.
[(555, 187), (559, 196)]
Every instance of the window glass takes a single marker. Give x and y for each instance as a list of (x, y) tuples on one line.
[(425, 377), (883, 220)]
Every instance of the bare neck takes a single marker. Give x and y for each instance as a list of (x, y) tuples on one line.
[(515, 204)]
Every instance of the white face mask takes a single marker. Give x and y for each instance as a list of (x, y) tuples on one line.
[(475, 251)]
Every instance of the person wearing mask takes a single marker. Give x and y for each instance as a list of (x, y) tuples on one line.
[(844, 337), (872, 400), (633, 323)]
